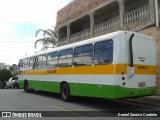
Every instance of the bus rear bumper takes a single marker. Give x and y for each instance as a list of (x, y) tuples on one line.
[(121, 92)]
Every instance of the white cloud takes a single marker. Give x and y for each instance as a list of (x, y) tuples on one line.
[(12, 52), (43, 13), (5, 29)]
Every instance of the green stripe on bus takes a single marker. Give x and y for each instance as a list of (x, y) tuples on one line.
[(92, 90)]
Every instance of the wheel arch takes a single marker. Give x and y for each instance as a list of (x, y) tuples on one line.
[(25, 81), (63, 82)]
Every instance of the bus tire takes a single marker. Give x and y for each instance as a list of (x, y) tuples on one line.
[(65, 92), (26, 87)]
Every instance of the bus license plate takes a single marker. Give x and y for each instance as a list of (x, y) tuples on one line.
[(142, 84)]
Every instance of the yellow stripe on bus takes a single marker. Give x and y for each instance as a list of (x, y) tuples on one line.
[(145, 69), (96, 69), (138, 69)]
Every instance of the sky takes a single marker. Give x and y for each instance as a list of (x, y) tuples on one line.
[(19, 20)]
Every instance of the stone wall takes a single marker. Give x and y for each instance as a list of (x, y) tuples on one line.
[(155, 32)]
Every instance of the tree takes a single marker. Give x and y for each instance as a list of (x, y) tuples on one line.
[(14, 69), (5, 75), (49, 38)]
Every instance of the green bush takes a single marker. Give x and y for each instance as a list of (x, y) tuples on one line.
[(5, 75)]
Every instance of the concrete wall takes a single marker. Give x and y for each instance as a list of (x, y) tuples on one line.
[(81, 7), (77, 8)]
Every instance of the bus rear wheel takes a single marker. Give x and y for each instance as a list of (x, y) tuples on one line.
[(65, 92)]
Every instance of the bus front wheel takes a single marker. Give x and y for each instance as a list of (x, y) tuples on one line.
[(26, 87), (65, 92)]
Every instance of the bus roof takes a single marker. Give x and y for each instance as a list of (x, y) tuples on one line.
[(91, 40)]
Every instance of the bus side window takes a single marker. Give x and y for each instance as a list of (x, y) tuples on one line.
[(103, 52), (33, 63), (41, 62), (52, 59), (83, 55), (26, 64), (21, 64), (66, 58)]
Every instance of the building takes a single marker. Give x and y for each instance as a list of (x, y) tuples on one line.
[(83, 19)]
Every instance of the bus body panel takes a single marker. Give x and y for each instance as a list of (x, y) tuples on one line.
[(83, 81), (143, 80), (106, 80)]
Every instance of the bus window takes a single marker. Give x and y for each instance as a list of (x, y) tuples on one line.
[(32, 63), (41, 61), (26, 64), (65, 58), (103, 52), (52, 59), (21, 64), (83, 55)]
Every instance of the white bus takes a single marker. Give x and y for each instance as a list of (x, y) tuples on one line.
[(117, 65)]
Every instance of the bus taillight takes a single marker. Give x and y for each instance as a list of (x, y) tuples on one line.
[(122, 73)]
